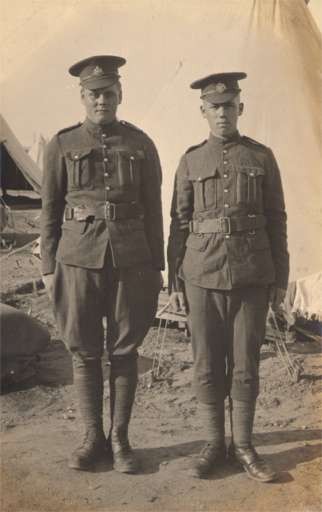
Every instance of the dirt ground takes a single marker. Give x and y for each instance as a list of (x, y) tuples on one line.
[(40, 425)]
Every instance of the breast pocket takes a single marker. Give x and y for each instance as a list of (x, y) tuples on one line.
[(249, 185), (127, 164), (79, 169), (205, 191)]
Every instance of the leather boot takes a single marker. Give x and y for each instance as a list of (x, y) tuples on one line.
[(88, 381), (89, 452), (123, 382), (255, 467), (213, 454), (241, 449)]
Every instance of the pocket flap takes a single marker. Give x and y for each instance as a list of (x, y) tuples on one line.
[(78, 154), (139, 154), (204, 176), (251, 171), (197, 242)]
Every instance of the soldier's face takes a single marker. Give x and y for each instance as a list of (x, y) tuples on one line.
[(101, 104), (222, 117)]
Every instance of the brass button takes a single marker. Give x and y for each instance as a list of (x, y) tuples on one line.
[(227, 236), (104, 135), (108, 188), (225, 151), (225, 162), (105, 159), (225, 175), (226, 190), (106, 174), (226, 205)]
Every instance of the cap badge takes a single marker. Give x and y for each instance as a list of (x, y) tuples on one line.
[(97, 71), (220, 88)]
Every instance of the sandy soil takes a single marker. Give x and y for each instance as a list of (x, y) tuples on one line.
[(40, 427)]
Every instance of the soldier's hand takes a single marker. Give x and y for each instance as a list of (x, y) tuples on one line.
[(177, 302), (48, 281), (276, 297)]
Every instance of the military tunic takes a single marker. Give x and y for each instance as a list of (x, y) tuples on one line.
[(228, 243), (105, 263), (229, 179)]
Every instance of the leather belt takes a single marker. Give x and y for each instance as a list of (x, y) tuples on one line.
[(227, 225), (107, 211)]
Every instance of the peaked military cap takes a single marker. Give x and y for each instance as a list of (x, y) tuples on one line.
[(98, 71), (219, 87)]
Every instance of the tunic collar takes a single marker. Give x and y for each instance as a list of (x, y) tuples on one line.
[(98, 129), (218, 142)]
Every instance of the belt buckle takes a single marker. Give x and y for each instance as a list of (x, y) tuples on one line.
[(110, 211), (225, 223)]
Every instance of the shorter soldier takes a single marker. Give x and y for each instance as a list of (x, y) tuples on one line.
[(228, 245), (102, 253)]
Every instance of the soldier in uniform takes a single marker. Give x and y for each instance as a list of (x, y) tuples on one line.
[(228, 260), (102, 253)]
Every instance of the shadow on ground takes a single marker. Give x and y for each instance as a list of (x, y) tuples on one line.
[(152, 459)]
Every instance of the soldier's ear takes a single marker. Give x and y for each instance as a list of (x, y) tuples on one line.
[(82, 94), (241, 109), (202, 110)]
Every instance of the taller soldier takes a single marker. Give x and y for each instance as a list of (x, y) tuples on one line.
[(102, 253), (228, 245)]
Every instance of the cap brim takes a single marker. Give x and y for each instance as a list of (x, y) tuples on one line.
[(215, 97)]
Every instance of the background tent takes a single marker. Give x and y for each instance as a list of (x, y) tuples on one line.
[(37, 150), (168, 45), (19, 174)]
